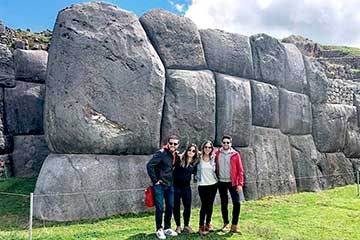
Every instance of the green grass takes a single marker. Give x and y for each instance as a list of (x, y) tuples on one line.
[(332, 214), (351, 51)]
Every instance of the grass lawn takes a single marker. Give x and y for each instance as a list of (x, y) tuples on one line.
[(332, 214)]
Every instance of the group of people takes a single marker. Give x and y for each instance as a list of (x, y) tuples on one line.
[(213, 169)]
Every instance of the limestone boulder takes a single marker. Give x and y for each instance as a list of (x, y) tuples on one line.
[(30, 65), (228, 53), (265, 105), (29, 154), (250, 172), (105, 83), (175, 38), (5, 166), (356, 165), (5, 139), (352, 137), (81, 186), (274, 168), (330, 123), (189, 109), (269, 57), (24, 106), (7, 78), (305, 161), (318, 84), (233, 109), (295, 77), (295, 113)]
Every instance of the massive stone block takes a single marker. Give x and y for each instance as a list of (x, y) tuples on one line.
[(5, 169), (352, 138), (274, 168), (265, 105), (337, 170), (269, 57), (5, 140), (105, 84), (250, 174), (318, 83), (7, 78), (30, 65), (305, 161), (295, 77), (189, 109), (175, 38), (295, 113), (90, 186), (330, 122), (29, 154), (228, 53), (233, 109), (24, 108)]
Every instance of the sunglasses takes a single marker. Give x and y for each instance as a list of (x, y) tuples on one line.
[(225, 142), (173, 143), (207, 147), (192, 150)]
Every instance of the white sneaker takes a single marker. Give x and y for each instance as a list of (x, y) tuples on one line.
[(170, 232), (160, 234)]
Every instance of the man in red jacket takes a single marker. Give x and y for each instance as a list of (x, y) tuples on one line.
[(230, 172)]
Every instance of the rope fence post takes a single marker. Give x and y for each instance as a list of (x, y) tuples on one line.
[(31, 215)]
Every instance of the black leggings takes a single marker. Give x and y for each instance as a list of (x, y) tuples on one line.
[(207, 196)]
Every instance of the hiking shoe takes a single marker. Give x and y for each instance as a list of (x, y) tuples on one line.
[(226, 228), (202, 231), (178, 229), (188, 229), (235, 229), (160, 234), (209, 227), (170, 232)]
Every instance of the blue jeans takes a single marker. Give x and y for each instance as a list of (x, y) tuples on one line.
[(224, 187), (162, 192)]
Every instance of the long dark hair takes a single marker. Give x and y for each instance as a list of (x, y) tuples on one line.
[(203, 146), (184, 161)]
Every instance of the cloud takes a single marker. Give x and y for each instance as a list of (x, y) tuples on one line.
[(325, 21), (179, 7)]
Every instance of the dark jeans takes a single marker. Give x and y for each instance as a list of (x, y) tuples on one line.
[(162, 192), (207, 196), (235, 197), (183, 193)]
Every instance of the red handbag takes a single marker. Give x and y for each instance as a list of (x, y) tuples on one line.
[(149, 197)]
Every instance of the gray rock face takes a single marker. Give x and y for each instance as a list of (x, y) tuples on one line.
[(337, 170), (7, 78), (269, 57), (29, 154), (5, 140), (189, 109), (175, 38), (356, 165), (105, 84), (93, 186), (295, 77), (274, 168), (233, 104), (330, 123), (357, 105), (228, 53), (5, 170), (305, 161), (30, 65), (318, 83), (295, 113), (250, 174), (24, 108), (265, 105), (352, 138), (19, 44)]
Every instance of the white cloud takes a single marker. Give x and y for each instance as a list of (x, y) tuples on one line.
[(179, 7), (325, 21)]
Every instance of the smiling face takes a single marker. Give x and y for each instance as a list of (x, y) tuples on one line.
[(191, 152), (207, 148), (226, 143), (173, 144)]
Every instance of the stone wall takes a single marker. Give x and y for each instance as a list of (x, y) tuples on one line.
[(116, 86)]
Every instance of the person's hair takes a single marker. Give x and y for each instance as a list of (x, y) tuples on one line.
[(226, 137), (184, 157), (203, 146), (175, 137)]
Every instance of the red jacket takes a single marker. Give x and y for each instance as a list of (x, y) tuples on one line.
[(236, 168)]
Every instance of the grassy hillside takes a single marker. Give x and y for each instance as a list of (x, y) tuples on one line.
[(332, 214), (350, 51)]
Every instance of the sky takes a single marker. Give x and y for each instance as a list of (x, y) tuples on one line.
[(333, 22)]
